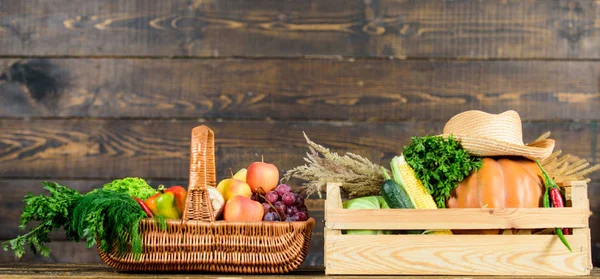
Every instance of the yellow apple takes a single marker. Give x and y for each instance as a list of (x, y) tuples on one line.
[(237, 188), (241, 175), (224, 184)]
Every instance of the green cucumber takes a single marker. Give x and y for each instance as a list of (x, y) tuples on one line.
[(396, 197), (394, 194)]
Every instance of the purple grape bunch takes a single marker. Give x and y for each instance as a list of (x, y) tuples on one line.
[(287, 205)]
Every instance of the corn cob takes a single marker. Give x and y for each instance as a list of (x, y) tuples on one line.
[(404, 175)]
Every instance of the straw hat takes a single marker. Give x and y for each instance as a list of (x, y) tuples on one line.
[(484, 134)]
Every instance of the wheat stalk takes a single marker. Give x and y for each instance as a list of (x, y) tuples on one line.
[(359, 176), (561, 170)]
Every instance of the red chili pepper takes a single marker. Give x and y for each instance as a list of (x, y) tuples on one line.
[(556, 197), (557, 201), (144, 207)]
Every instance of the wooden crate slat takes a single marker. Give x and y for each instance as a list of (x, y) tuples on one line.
[(467, 218), (456, 254), (578, 194)]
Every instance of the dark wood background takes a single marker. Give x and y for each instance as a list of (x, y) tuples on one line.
[(96, 90)]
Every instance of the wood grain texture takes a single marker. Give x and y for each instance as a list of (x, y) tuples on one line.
[(476, 218), (60, 252), (456, 254), (81, 148), (94, 271), (379, 28), (361, 90)]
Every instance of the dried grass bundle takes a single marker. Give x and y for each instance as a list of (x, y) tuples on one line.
[(359, 176), (565, 168)]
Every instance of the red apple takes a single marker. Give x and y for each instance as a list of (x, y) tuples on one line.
[(263, 176)]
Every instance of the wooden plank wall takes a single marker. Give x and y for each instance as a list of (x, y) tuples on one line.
[(96, 90)]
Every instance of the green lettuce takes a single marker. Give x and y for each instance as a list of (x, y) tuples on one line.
[(369, 202), (133, 186)]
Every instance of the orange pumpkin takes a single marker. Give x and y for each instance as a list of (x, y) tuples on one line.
[(500, 183)]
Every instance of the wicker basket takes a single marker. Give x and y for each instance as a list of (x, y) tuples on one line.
[(199, 243)]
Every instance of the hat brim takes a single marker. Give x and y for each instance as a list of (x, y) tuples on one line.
[(487, 147)]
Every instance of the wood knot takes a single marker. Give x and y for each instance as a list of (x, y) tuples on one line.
[(44, 80), (573, 30), (372, 28)]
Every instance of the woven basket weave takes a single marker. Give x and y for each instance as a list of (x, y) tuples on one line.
[(199, 243)]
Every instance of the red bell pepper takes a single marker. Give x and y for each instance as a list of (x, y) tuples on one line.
[(180, 196), (164, 203)]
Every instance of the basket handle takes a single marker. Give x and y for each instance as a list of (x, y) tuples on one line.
[(202, 175)]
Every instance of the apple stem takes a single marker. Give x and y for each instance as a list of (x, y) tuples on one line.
[(230, 171), (262, 158)]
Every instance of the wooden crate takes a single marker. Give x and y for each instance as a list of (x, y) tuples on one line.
[(458, 254)]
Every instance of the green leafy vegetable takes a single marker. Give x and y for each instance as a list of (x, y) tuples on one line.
[(382, 203), (53, 212), (440, 164), (369, 202), (133, 186), (108, 216)]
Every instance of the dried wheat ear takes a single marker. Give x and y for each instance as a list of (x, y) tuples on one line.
[(566, 168), (359, 176)]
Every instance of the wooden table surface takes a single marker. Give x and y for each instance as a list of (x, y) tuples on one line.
[(102, 271)]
